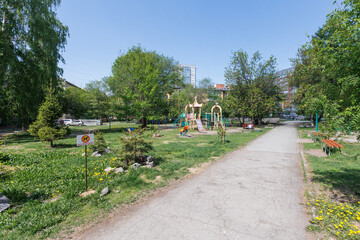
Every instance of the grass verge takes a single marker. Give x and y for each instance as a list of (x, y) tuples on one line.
[(333, 192)]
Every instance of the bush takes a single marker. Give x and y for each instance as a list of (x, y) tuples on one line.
[(4, 157), (99, 144), (134, 146), (221, 134), (49, 134)]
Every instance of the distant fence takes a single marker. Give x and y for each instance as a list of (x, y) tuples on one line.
[(92, 122), (271, 120)]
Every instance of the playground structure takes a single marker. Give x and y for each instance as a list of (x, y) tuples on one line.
[(216, 116), (183, 131), (194, 118)]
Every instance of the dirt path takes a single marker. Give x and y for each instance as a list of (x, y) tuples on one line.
[(253, 193)]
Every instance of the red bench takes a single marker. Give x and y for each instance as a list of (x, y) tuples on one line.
[(328, 144)]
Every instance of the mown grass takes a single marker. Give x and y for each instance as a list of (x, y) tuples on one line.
[(44, 184), (334, 192)]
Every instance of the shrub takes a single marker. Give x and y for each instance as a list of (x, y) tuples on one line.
[(133, 146), (99, 144), (4, 157), (49, 134), (221, 132)]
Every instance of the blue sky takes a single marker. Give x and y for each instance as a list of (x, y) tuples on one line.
[(201, 33)]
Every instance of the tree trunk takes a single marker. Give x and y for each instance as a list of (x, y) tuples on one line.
[(143, 122), (3, 18), (51, 143)]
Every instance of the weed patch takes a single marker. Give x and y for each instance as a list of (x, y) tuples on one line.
[(334, 201)]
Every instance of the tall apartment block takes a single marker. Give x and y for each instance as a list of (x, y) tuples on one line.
[(189, 74), (282, 80)]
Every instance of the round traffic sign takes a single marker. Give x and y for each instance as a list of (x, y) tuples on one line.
[(85, 139)]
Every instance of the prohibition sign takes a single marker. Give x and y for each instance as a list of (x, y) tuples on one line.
[(85, 139)]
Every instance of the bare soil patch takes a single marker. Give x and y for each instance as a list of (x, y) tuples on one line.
[(316, 152), (157, 179), (349, 139), (201, 168), (304, 140), (87, 193)]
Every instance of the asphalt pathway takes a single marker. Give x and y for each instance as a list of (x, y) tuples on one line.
[(252, 193)]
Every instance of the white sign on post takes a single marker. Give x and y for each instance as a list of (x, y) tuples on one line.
[(86, 139), (83, 140)]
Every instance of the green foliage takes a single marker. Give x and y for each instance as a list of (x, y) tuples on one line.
[(50, 134), (335, 187), (99, 144), (102, 104), (327, 68), (44, 127), (204, 92), (75, 101), (134, 146), (31, 40), (221, 134), (141, 79), (4, 157), (253, 91), (93, 102)]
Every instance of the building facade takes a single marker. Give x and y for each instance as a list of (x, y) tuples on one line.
[(222, 89), (283, 81), (189, 74)]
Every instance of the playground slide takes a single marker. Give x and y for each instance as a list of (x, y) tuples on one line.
[(200, 126)]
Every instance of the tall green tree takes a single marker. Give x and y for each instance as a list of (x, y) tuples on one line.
[(75, 101), (141, 79), (45, 127), (205, 94), (253, 92), (327, 69), (31, 41), (100, 100)]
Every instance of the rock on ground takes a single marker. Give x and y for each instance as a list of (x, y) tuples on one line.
[(119, 170), (4, 203), (104, 192)]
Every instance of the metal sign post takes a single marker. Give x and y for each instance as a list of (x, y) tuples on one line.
[(86, 168), (316, 120), (81, 140)]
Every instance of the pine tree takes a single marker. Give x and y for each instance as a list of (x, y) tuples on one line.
[(45, 127), (134, 146)]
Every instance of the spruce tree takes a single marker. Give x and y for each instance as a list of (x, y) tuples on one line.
[(45, 127)]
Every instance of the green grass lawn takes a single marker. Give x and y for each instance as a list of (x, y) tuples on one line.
[(44, 184), (334, 192)]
